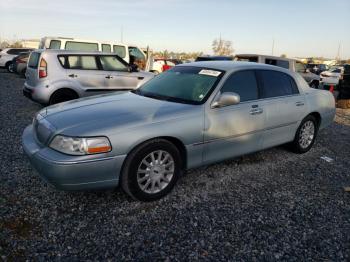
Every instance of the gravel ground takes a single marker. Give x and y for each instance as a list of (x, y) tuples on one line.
[(272, 205)]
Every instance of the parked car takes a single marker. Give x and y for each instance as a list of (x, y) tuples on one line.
[(344, 84), (160, 65), (294, 65), (8, 54), (191, 115), (122, 50), (20, 63), (332, 76), (317, 68), (55, 76), (213, 58)]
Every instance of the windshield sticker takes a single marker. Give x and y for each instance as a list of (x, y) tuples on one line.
[(209, 72)]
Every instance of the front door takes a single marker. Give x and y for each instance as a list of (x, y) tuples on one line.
[(117, 75), (237, 129)]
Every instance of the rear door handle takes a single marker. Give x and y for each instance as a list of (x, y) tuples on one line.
[(256, 111), (109, 77), (72, 75), (299, 103), (140, 77)]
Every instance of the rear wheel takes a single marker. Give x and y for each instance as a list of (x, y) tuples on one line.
[(305, 135), (151, 170), (62, 95)]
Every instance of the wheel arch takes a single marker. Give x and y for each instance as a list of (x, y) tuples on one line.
[(318, 117), (175, 141), (64, 89)]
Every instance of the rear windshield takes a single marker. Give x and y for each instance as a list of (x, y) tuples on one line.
[(34, 60)]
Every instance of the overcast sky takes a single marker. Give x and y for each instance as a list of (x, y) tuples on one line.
[(299, 27)]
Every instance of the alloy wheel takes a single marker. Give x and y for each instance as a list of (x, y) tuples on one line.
[(307, 134), (155, 171)]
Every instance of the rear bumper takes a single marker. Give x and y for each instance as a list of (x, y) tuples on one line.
[(69, 172), (37, 94)]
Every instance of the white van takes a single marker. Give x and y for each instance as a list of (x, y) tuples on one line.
[(122, 50)]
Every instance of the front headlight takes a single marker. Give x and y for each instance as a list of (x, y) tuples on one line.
[(80, 145)]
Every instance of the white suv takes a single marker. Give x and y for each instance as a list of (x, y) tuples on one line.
[(55, 76), (8, 54)]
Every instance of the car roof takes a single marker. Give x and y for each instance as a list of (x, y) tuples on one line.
[(265, 56), (234, 65), (72, 52)]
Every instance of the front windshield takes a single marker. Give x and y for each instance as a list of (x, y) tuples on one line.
[(183, 84)]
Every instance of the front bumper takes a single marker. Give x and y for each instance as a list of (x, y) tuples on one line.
[(71, 172)]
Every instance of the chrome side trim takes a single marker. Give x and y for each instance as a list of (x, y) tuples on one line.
[(243, 134), (79, 161)]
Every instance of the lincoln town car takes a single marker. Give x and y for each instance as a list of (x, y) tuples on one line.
[(192, 115)]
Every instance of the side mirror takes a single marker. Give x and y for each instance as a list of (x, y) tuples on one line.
[(132, 68), (226, 99)]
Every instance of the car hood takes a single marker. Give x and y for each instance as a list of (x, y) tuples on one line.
[(106, 114)]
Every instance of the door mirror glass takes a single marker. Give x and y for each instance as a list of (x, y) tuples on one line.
[(227, 99)]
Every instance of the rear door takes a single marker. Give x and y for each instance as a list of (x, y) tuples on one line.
[(117, 75), (84, 73), (283, 104)]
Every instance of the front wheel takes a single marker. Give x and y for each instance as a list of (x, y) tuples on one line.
[(314, 85), (151, 170), (305, 135)]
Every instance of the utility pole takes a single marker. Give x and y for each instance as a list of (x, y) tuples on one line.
[(273, 45), (338, 53)]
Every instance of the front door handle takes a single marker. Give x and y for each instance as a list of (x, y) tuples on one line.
[(109, 77), (256, 111), (299, 103), (72, 75)]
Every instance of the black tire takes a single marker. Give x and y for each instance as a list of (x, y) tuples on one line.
[(62, 95), (134, 160), (314, 84), (296, 145), (23, 73), (10, 67)]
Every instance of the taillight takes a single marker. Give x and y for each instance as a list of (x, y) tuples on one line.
[(19, 61), (43, 68), (166, 67)]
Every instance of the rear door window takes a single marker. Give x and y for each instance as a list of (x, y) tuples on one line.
[(247, 58), (34, 60), (119, 50), (275, 84), (82, 62), (137, 53), (55, 44), (112, 63), (70, 45), (276, 62), (106, 48), (243, 83)]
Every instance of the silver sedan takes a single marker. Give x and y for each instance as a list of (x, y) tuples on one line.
[(192, 115)]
